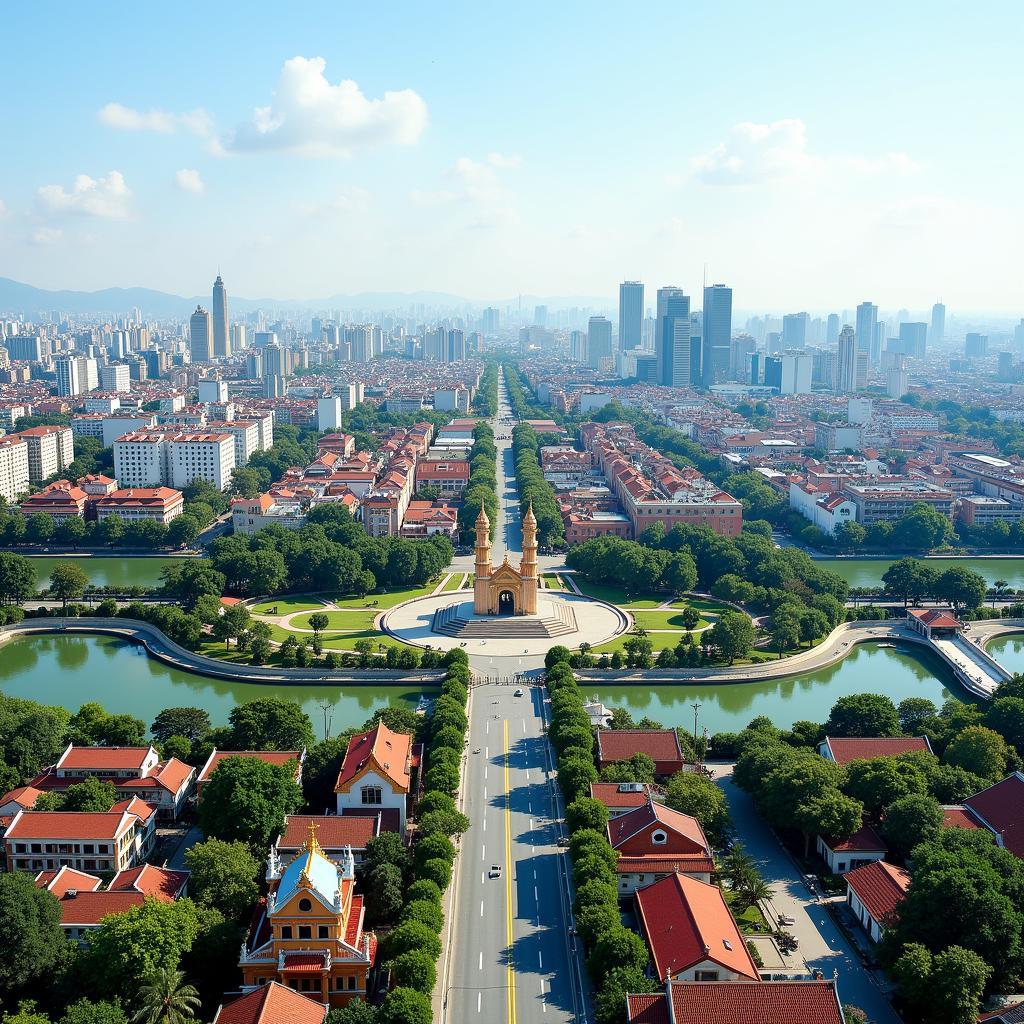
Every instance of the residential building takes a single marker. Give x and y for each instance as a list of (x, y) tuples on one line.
[(51, 450), (61, 499), (209, 457), (937, 330), (794, 330), (115, 377), (861, 847), (272, 1003), (74, 375), (328, 413), (213, 389), (200, 336), (376, 772), (661, 745), (867, 318), (796, 373), (914, 339), (844, 749), (246, 433), (426, 518), (599, 341), (450, 477), (887, 498), (1000, 809), (249, 515), (874, 893), (619, 797), (716, 335), (846, 360), (14, 471), (277, 757), (140, 459), (309, 934), (162, 504)]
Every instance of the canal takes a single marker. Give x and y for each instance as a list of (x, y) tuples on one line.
[(74, 670), (896, 672), (867, 572), (104, 570)]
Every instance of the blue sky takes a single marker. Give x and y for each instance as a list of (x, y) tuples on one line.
[(813, 156)]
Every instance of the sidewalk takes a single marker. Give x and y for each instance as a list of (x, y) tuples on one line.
[(822, 944)]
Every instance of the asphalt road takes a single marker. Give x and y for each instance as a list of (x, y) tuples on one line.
[(511, 958)]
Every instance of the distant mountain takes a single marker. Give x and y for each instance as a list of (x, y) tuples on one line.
[(29, 301)]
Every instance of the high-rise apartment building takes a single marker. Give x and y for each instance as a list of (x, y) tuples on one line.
[(796, 373), (672, 337), (14, 474), (794, 330), (716, 334), (578, 346), (51, 450), (221, 337), (238, 339), (975, 345), (867, 317), (116, 377), (631, 314), (914, 339), (71, 376), (832, 329), (937, 331), (599, 340), (200, 336), (490, 321), (846, 381)]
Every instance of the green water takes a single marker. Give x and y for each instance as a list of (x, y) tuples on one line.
[(72, 670), (896, 672), (106, 571), (1008, 651), (867, 572)]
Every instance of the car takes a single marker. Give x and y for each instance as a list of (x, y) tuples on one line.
[(562, 841), (518, 693), (495, 871)]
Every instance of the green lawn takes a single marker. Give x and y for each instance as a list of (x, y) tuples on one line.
[(454, 582), (616, 595), (702, 604), (388, 600), (663, 620), (286, 605), (468, 582), (659, 641), (345, 622), (751, 921)]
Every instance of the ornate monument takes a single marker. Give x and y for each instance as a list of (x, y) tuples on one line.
[(505, 591)]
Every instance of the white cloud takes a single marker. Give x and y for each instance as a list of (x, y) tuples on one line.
[(348, 199), (755, 154), (475, 183), (504, 159), (93, 197), (310, 116), (116, 115), (189, 180), (47, 236)]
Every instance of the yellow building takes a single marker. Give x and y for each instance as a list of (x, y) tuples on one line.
[(505, 591), (310, 935)]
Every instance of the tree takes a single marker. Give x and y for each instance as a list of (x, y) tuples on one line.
[(998, 589), (270, 723), (696, 795), (1006, 716), (85, 1011), (913, 713), (618, 947), (921, 528), (356, 1012), (166, 999), (247, 799), (863, 714), (785, 630), (182, 531), (232, 623), (30, 933), (193, 723), (405, 1006), (130, 948), (190, 580), (318, 622), (416, 970), (912, 819), (67, 583), (90, 794), (383, 893), (638, 768), (979, 750), (946, 987), (411, 935), (831, 814), (680, 574), (813, 625), (17, 578), (224, 876), (733, 635), (879, 781), (909, 580), (586, 812), (28, 1013)]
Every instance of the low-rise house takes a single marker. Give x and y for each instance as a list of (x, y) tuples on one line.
[(61, 499), (425, 518), (661, 745), (336, 833), (844, 749), (874, 893), (23, 798), (862, 847), (621, 797), (740, 1002), (653, 841), (270, 756), (272, 1003), (133, 771), (1011, 1014), (1000, 809), (161, 504), (691, 933), (376, 772)]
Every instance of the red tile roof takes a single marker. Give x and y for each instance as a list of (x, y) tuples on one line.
[(612, 795), (333, 831), (865, 839), (304, 963), (936, 617), (23, 796), (741, 1002), (881, 887), (687, 864), (270, 756), (629, 824), (685, 922), (59, 882), (271, 1004), (958, 817), (380, 750), (622, 744), (160, 883), (852, 748), (88, 909), (69, 825), (105, 758), (1001, 809)]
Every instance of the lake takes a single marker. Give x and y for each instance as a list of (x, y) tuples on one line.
[(1008, 651), (896, 672), (104, 570), (73, 670), (867, 572)]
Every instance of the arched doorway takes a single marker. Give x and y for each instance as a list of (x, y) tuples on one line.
[(506, 603)]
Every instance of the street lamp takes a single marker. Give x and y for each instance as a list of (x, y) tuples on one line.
[(696, 708)]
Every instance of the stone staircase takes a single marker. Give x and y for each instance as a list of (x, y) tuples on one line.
[(449, 622)]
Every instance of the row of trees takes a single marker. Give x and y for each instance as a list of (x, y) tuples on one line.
[(533, 488), (910, 580), (482, 487), (486, 401)]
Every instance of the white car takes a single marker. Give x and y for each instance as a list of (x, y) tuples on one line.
[(495, 871), (518, 693)]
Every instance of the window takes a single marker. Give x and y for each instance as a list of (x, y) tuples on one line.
[(305, 906), (323, 932), (659, 837), (286, 931), (705, 975), (371, 794), (305, 931), (352, 982)]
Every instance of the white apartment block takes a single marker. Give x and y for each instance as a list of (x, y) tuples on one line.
[(140, 460), (89, 424), (246, 434), (209, 457), (14, 478), (117, 426), (50, 450), (116, 377)]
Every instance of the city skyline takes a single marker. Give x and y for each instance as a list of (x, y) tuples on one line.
[(322, 170)]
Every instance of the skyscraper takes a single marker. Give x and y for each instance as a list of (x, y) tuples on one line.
[(867, 317), (937, 332), (599, 340), (221, 337), (847, 360), (672, 337), (832, 329), (716, 334), (199, 333), (914, 339), (631, 314), (794, 330)]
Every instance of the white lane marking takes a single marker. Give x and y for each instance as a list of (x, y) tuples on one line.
[(483, 853), (481, 966), (481, 878), (481, 908), (524, 726), (543, 1001), (485, 792), (478, 1000), (531, 850), (529, 806), (531, 824), (535, 896), (540, 960), (485, 824), (487, 752), (527, 774), (485, 773)]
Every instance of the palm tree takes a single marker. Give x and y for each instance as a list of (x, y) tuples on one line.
[(999, 588), (167, 999), (756, 890)]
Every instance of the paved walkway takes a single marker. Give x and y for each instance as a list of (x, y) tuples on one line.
[(822, 944)]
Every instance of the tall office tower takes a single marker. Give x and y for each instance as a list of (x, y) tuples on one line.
[(263, 338), (200, 336), (794, 330), (937, 331), (648, 329), (896, 384), (832, 329), (696, 341), (578, 346), (861, 376), (740, 351), (599, 340), (491, 320), (672, 337), (275, 361), (716, 335), (877, 343), (221, 337), (540, 316), (774, 342), (773, 372), (796, 373), (975, 345), (238, 341), (755, 372), (914, 339), (1018, 334), (867, 317), (846, 376), (254, 364), (631, 314), (1005, 367)]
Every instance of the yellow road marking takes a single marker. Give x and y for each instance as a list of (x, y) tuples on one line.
[(510, 966)]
